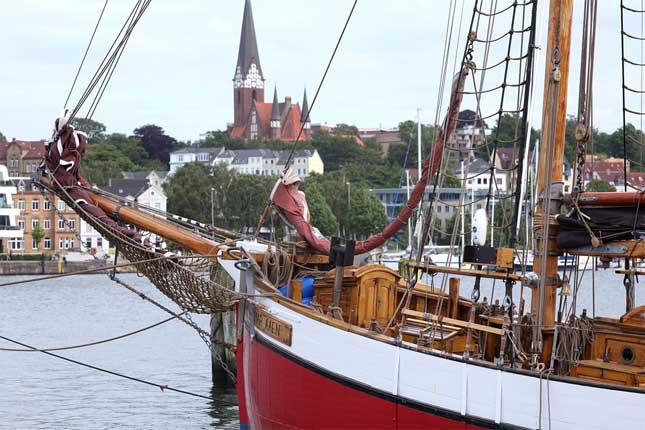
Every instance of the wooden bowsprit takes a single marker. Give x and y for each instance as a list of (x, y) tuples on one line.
[(186, 288)]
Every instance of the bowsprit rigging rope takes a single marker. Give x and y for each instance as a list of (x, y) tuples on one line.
[(178, 282)]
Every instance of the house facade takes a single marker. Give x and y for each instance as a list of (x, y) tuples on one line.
[(59, 222)]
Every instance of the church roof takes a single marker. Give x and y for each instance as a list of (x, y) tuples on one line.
[(248, 53)]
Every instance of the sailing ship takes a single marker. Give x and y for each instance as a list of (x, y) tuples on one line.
[(321, 343)]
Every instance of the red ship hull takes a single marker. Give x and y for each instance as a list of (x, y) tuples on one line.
[(277, 391)]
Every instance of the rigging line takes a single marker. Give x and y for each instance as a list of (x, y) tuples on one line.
[(101, 68), (96, 27), (98, 342), (108, 77), (162, 387), (331, 59)]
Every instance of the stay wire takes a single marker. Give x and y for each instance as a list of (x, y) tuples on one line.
[(331, 59), (162, 387), (80, 67)]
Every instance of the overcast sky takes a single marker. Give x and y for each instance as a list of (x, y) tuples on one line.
[(178, 67)]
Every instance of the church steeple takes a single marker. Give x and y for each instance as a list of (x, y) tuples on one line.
[(305, 120), (248, 58), (248, 83), (275, 116), (304, 115)]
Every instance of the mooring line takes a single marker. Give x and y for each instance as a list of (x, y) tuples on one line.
[(162, 387), (99, 342)]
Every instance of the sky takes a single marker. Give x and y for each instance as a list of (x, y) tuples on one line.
[(177, 69)]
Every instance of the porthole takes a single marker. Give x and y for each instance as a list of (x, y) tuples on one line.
[(627, 354)]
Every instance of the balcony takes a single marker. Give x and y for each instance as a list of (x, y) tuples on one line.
[(10, 231)]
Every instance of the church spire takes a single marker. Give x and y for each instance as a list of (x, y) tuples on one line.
[(304, 115), (275, 116), (248, 54)]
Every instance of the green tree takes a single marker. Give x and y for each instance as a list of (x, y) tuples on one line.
[(247, 198), (322, 216), (189, 193), (598, 185), (366, 214), (3, 139), (345, 129), (103, 162), (93, 129), (37, 233), (156, 142)]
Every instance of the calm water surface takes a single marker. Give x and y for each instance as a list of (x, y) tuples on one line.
[(38, 391)]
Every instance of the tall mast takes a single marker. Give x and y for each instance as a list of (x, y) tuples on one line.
[(543, 299)]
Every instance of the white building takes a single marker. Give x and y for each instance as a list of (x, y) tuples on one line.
[(9, 228), (477, 175), (269, 162), (251, 161), (192, 154), (146, 191)]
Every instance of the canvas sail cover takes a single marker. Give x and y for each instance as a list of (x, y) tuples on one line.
[(607, 223), (292, 203)]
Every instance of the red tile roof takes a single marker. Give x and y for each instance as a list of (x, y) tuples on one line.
[(31, 149)]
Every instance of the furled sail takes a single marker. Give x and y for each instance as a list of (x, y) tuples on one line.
[(293, 206)]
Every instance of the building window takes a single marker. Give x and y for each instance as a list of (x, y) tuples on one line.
[(61, 224), (17, 244), (99, 242), (47, 243), (202, 157), (47, 204), (48, 223), (157, 205), (72, 224), (479, 180), (21, 224), (14, 162), (180, 158), (88, 243), (34, 244), (21, 204), (34, 223), (35, 205), (61, 205), (61, 242)]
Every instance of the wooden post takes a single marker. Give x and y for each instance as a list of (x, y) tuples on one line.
[(223, 330), (553, 132), (453, 310)]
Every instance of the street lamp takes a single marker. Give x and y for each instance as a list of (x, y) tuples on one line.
[(213, 209), (349, 194)]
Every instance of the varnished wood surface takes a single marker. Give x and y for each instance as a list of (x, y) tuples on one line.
[(489, 274)]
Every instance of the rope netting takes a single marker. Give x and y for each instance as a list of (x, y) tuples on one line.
[(192, 290)]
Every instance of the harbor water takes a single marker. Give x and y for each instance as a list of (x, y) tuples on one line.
[(43, 392)]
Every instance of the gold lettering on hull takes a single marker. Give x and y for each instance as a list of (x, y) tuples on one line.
[(272, 326)]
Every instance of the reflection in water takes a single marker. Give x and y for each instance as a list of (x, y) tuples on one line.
[(223, 408)]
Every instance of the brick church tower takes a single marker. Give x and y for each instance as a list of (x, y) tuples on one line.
[(253, 118), (248, 82)]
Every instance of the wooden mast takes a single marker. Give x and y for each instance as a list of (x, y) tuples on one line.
[(554, 115)]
